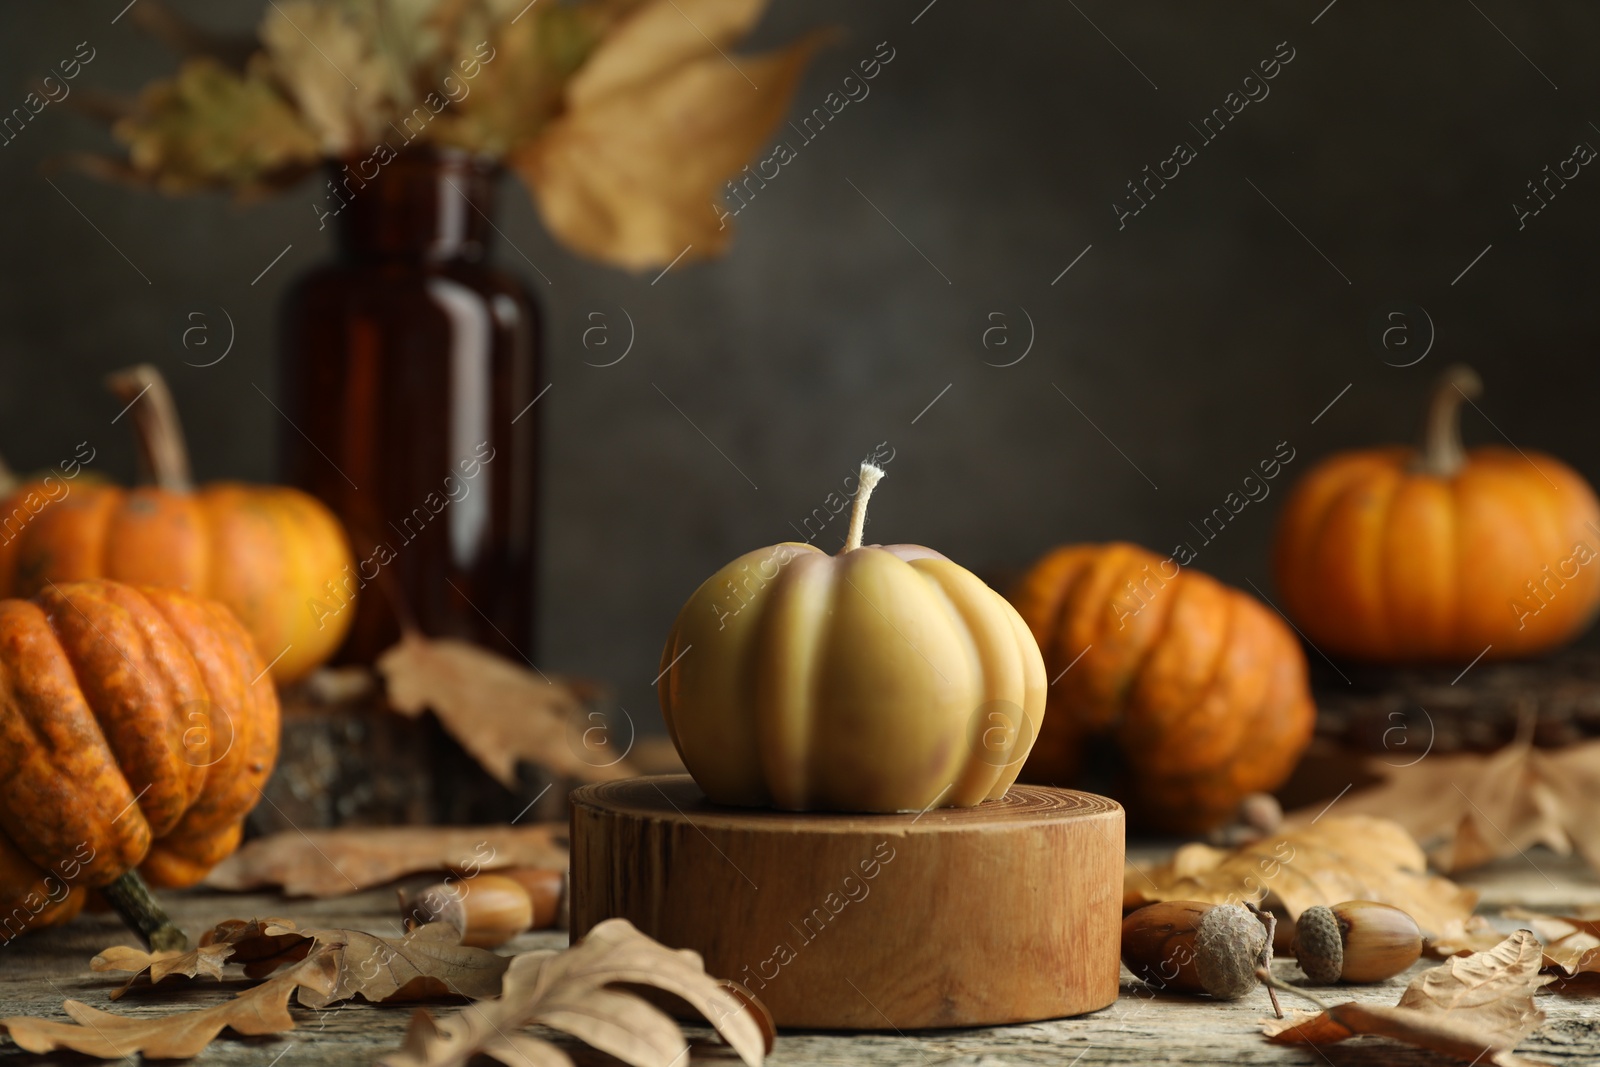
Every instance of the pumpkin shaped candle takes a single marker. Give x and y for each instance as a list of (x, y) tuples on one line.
[(885, 678), (1396, 555)]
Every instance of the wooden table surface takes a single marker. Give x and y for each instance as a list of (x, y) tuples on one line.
[(41, 970)]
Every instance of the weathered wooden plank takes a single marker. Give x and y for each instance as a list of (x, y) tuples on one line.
[(39, 971)]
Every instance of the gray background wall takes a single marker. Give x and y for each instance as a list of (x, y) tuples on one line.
[(1196, 338)]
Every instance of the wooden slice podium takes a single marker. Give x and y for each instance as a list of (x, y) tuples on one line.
[(1004, 913)]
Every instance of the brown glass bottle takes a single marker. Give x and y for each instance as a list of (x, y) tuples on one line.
[(409, 365)]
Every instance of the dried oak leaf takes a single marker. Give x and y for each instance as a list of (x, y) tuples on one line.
[(319, 967), (499, 711), (209, 127), (262, 1009), (1571, 942), (1334, 859), (1476, 1008), (1468, 809), (573, 991), (333, 863), (206, 960), (1462, 937), (426, 964), (656, 119)]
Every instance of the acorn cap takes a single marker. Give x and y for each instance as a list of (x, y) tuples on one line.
[(1319, 944), (1229, 941)]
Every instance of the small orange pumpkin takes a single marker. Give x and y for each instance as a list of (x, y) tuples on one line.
[(137, 728), (1202, 689), (1397, 555), (274, 555)]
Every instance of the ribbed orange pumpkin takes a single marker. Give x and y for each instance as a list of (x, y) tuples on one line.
[(1201, 688), (267, 552), (136, 730), (1398, 555)]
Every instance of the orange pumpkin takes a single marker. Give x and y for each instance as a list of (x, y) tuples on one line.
[(1439, 554), (274, 555), (136, 731), (1201, 688)]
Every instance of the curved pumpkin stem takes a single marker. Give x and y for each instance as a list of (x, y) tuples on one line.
[(1441, 453), (8, 478), (162, 453), (131, 898), (858, 511)]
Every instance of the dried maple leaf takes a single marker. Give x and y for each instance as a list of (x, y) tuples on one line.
[(212, 128), (572, 991), (1476, 1008), (656, 120), (1335, 859), (333, 863), (499, 711), (1468, 809)]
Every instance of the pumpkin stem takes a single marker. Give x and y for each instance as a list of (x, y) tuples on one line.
[(1441, 453), (8, 478), (162, 453), (131, 898), (858, 511)]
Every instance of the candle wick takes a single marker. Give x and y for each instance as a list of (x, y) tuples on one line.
[(858, 512)]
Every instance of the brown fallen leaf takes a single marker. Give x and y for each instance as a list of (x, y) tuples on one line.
[(333, 863), (499, 711), (1335, 859), (656, 120), (206, 960), (317, 967), (1467, 809), (1476, 1008), (1571, 942), (573, 991), (1462, 937), (262, 1009)]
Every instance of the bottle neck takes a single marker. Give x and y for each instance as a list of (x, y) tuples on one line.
[(419, 204)]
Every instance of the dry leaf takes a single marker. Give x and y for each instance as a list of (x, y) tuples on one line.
[(1335, 859), (1462, 937), (1468, 809), (322, 966), (333, 863), (571, 991), (657, 119), (1476, 1008), (1571, 942), (499, 711), (519, 91), (206, 960), (329, 61), (209, 127), (262, 1009)]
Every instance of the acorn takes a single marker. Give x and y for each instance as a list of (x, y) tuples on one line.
[(488, 910), (1357, 941), (1185, 946)]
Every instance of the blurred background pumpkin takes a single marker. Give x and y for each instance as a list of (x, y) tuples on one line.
[(1198, 688), (274, 555), (1438, 553)]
